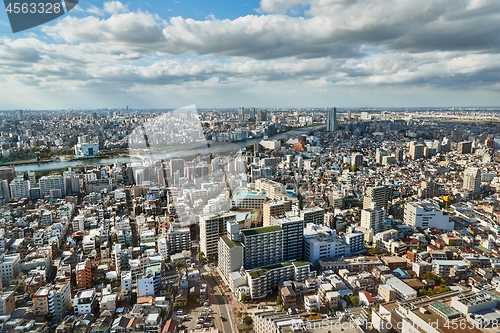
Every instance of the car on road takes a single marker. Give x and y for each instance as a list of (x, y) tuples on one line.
[(206, 304), (223, 318)]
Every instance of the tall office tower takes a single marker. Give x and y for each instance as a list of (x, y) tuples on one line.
[(357, 160), (241, 113), (373, 219), (349, 114), (399, 154), (262, 246), (4, 192), (416, 150), (252, 114), (211, 229), (7, 173), (53, 182), (262, 115), (20, 115), (293, 232), (177, 164), (19, 188), (331, 120), (378, 195), (464, 147), (472, 180)]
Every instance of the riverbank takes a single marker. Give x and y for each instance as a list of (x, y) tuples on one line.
[(211, 148)]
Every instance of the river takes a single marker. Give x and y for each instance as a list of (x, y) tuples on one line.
[(214, 148)]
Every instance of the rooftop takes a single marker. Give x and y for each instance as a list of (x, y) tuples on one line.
[(262, 230)]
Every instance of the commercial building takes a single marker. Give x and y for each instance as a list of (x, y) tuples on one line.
[(86, 149), (425, 215), (331, 120)]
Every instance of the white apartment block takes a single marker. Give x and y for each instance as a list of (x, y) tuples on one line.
[(373, 219), (211, 228), (9, 266)]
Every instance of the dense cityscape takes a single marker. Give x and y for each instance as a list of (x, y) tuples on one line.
[(250, 220)]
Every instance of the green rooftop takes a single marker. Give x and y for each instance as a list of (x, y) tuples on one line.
[(444, 310), (153, 269), (229, 242), (262, 230), (300, 263)]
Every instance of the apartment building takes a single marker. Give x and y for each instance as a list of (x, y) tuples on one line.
[(211, 229)]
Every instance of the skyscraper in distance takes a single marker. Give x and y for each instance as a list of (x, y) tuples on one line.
[(331, 120)]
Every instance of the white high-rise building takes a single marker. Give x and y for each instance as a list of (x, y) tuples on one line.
[(52, 182), (211, 228), (19, 188), (331, 120), (373, 219), (472, 180)]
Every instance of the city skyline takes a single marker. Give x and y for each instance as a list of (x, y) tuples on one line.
[(322, 53)]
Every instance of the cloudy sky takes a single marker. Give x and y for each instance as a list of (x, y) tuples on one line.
[(268, 53)]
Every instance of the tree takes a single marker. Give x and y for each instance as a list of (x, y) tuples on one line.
[(354, 300), (179, 265), (247, 320), (244, 298), (372, 251), (278, 300)]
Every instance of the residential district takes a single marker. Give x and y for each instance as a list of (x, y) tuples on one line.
[(222, 221)]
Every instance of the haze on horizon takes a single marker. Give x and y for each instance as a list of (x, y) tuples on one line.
[(274, 53)]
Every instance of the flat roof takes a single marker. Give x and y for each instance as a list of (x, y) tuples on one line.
[(261, 230), (231, 244)]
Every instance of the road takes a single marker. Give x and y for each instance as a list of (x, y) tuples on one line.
[(215, 297)]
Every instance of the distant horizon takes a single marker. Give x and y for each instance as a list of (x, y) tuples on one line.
[(284, 108)]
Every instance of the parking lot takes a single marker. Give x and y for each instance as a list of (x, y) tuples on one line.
[(200, 318)]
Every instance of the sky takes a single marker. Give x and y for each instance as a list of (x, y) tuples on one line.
[(268, 53)]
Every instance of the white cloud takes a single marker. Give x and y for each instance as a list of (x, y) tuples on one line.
[(115, 7), (340, 45)]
